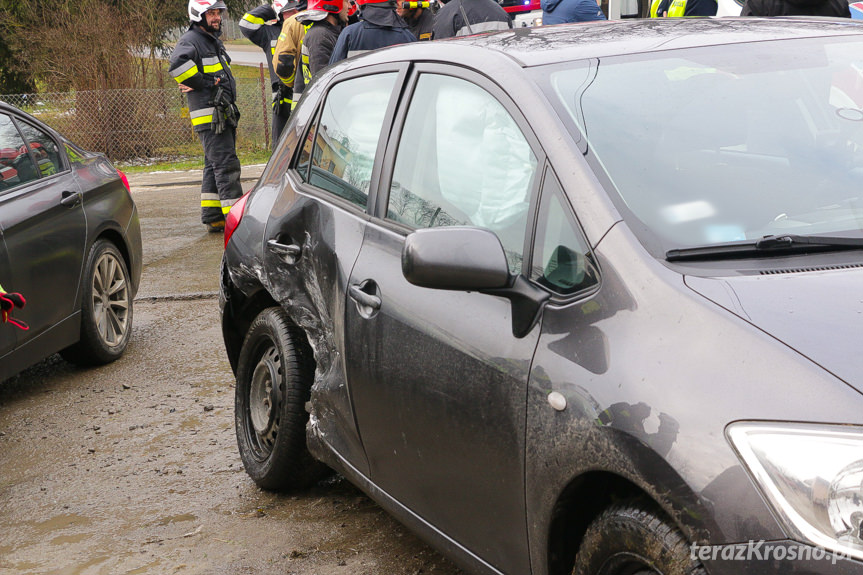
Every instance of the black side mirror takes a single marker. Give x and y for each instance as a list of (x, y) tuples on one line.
[(471, 259)]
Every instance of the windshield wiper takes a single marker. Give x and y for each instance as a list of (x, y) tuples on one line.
[(766, 246)]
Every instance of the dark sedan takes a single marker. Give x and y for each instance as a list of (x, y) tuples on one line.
[(71, 245), (578, 299)]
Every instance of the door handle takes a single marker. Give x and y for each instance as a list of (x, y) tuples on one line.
[(70, 199), (372, 302), (289, 253)]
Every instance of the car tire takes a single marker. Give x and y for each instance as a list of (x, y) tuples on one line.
[(275, 372), (106, 308), (634, 539)]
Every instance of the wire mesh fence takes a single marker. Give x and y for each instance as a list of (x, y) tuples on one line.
[(142, 124)]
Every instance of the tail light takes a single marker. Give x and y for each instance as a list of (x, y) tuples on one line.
[(234, 216), (125, 181)]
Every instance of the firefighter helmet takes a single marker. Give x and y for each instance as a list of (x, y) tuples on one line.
[(280, 6), (198, 7), (331, 6)]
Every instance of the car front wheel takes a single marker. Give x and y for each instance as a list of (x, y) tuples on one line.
[(106, 308), (634, 539), (274, 378)]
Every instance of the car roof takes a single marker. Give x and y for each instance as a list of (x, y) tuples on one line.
[(564, 42)]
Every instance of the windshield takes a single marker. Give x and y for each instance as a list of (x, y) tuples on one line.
[(724, 143)]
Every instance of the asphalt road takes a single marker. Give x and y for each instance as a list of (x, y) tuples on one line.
[(132, 468)]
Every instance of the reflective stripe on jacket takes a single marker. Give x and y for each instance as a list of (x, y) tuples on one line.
[(681, 8)]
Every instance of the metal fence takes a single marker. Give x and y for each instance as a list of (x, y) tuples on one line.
[(138, 124)]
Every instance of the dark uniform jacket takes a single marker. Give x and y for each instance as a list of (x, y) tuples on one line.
[(422, 27), (379, 26), (254, 26), (197, 60), (837, 8), (482, 16), (318, 44)]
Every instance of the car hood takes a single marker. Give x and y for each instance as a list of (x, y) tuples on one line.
[(818, 313)]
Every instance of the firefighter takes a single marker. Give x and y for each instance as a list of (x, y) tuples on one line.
[(286, 56), (465, 17), (681, 8), (201, 67), (379, 26), (419, 16), (324, 20), (262, 26)]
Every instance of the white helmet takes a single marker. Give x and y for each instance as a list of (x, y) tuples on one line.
[(280, 6), (198, 7)]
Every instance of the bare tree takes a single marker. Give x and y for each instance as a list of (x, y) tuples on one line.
[(94, 48)]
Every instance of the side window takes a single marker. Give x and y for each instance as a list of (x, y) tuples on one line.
[(16, 166), (462, 160), (341, 147), (44, 149), (562, 261)]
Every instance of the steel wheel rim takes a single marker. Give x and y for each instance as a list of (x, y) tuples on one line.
[(110, 300), (264, 402), (626, 563)]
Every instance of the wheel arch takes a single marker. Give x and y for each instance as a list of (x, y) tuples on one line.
[(240, 311), (116, 238), (586, 496), (580, 502)]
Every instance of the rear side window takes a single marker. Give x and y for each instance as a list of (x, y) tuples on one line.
[(339, 152), (44, 150), (16, 165)]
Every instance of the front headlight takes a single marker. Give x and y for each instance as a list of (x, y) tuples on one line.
[(813, 477)]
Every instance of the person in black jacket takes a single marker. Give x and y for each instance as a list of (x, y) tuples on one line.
[(201, 67), (419, 17), (324, 20), (379, 26), (838, 8), (262, 25), (465, 17)]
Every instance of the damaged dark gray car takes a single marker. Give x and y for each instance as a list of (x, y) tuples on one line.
[(578, 299)]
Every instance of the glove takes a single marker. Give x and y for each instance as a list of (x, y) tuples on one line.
[(9, 301), (282, 100)]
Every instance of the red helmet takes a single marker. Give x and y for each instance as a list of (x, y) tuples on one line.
[(331, 6)]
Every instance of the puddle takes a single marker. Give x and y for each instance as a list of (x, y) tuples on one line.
[(66, 539), (24, 567), (145, 569), (82, 568), (60, 522), (176, 519)]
